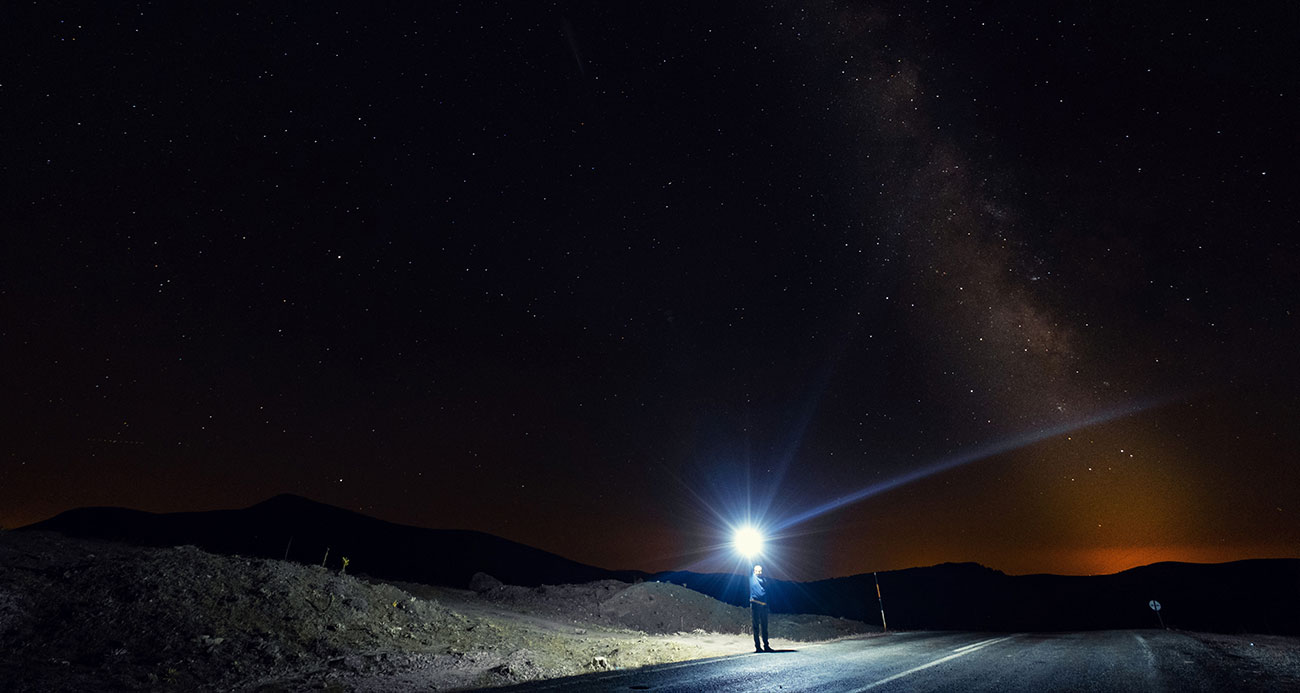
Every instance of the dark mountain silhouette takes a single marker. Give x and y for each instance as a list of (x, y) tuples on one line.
[(1254, 596), (302, 530)]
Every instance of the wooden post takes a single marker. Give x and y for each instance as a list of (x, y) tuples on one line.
[(884, 626)]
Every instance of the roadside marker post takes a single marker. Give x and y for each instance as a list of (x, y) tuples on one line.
[(884, 627)]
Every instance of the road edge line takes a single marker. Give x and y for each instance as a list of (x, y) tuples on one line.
[(968, 649)]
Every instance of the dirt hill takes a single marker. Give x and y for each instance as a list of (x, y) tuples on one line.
[(86, 615)]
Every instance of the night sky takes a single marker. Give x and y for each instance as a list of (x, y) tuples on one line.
[(904, 282)]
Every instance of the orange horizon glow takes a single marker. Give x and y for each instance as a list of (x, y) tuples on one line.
[(1116, 559), (1106, 560)]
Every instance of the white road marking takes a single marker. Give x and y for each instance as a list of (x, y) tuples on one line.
[(959, 652), (974, 645)]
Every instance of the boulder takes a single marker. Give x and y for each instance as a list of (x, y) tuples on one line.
[(482, 582)]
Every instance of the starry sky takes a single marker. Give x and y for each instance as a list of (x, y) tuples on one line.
[(903, 282)]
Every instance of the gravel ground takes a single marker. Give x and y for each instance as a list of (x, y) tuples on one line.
[(86, 615)]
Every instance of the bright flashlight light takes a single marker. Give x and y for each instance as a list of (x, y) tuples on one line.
[(748, 541)]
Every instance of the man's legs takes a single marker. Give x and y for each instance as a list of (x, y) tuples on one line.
[(757, 615), (764, 624)]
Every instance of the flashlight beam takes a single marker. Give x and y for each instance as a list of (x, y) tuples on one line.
[(965, 458)]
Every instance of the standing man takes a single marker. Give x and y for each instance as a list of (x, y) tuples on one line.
[(758, 607)]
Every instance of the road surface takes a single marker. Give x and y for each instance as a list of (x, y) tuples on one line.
[(945, 661)]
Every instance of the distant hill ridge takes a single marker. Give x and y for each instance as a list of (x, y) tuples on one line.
[(303, 530), (1257, 596)]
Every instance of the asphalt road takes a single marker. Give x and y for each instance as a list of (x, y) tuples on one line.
[(945, 661)]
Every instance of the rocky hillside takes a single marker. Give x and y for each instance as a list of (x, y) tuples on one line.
[(85, 615)]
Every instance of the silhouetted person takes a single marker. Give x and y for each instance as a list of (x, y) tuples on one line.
[(758, 607)]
